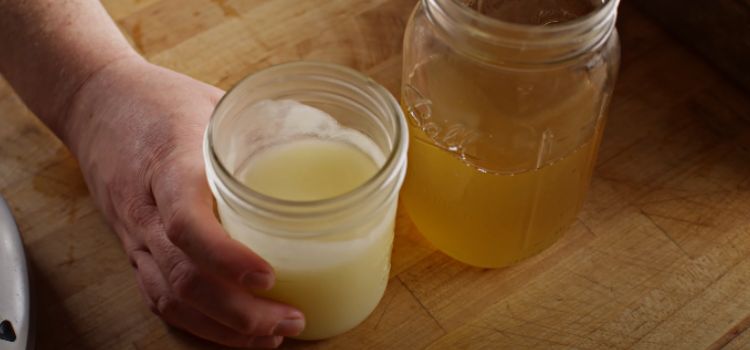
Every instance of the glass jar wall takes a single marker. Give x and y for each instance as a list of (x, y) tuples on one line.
[(331, 254), (506, 102)]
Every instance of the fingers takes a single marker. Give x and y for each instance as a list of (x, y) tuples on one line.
[(268, 342), (186, 207), (156, 291), (232, 306)]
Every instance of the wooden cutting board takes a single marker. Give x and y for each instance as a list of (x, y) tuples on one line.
[(659, 257)]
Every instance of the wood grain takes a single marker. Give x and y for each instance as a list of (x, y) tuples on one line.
[(658, 259)]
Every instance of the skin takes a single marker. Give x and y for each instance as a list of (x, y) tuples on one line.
[(137, 132)]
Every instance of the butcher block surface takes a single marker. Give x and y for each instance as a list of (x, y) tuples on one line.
[(659, 258)]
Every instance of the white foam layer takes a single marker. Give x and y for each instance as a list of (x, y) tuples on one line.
[(278, 121)]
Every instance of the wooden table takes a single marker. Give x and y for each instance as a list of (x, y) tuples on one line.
[(659, 258)]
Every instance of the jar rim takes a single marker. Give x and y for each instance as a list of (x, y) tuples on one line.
[(495, 41), (595, 16), (384, 175)]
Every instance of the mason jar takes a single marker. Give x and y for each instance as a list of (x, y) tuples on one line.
[(506, 102), (331, 256)]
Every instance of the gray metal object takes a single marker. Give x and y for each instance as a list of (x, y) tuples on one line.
[(14, 286)]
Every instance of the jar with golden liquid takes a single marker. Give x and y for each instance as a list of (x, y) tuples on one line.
[(506, 102)]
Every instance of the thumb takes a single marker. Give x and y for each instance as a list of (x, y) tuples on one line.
[(185, 203)]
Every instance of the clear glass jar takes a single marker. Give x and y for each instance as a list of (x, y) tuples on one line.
[(506, 102), (331, 256)]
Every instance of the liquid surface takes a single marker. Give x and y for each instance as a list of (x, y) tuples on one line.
[(308, 169), (500, 161)]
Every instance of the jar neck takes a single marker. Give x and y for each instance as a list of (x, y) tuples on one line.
[(307, 82), (499, 42)]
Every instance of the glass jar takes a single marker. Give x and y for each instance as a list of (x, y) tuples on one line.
[(331, 256), (506, 102)]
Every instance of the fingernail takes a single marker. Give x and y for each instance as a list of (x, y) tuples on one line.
[(258, 280), (291, 326)]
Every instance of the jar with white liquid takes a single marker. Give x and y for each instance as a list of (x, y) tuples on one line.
[(305, 161)]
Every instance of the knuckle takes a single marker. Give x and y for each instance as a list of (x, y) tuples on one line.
[(160, 154), (140, 213), (164, 306), (183, 278), (135, 254), (251, 326), (177, 229), (135, 208)]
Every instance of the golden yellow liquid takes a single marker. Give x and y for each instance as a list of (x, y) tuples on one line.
[(499, 162), (492, 220)]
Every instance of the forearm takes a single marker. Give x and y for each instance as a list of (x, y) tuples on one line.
[(49, 48)]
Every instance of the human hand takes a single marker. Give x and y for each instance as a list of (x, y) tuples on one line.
[(137, 132)]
